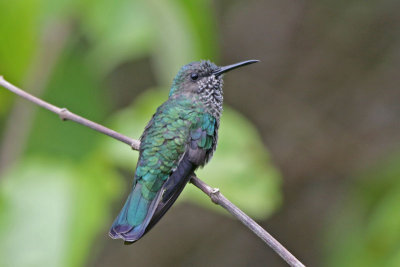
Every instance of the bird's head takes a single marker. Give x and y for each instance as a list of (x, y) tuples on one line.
[(198, 76)]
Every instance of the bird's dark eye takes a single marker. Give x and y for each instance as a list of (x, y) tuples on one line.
[(194, 76)]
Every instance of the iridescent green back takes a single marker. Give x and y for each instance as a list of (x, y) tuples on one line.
[(175, 124)]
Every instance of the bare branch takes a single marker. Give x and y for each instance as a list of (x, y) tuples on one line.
[(213, 193), (65, 114), (221, 200)]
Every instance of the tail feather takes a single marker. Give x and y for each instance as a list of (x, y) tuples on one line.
[(134, 217), (139, 215)]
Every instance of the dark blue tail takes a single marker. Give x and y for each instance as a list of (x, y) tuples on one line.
[(134, 217)]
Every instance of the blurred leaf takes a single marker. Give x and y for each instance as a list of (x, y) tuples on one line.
[(178, 32), (118, 32), (50, 212), (186, 32), (201, 19), (366, 231), (22, 26), (18, 37), (96, 186), (73, 85), (4, 101), (240, 167)]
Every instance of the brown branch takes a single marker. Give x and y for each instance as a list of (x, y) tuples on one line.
[(213, 193)]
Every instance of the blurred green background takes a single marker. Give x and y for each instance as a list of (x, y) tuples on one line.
[(324, 100)]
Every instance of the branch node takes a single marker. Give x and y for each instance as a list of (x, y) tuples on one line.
[(63, 114), (214, 195)]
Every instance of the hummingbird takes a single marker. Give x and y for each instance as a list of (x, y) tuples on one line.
[(180, 137)]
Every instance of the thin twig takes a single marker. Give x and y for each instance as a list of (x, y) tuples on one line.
[(65, 114), (213, 193)]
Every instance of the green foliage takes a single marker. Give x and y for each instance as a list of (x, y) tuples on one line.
[(18, 38), (51, 210), (366, 230), (65, 91), (118, 32), (18, 42)]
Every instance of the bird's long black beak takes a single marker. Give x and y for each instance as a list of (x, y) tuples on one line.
[(224, 69)]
